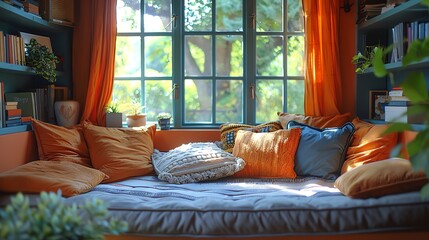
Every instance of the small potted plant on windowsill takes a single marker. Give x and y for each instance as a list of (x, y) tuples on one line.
[(136, 118), (113, 116), (164, 120)]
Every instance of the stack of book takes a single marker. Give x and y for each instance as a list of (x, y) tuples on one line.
[(15, 3), (369, 9), (397, 108), (12, 114)]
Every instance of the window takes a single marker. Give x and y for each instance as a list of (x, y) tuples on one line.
[(210, 61)]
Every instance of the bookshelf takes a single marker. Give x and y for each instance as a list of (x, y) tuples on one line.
[(378, 30), (18, 78)]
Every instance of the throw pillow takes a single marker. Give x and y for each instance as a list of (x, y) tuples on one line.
[(314, 121), (60, 143), (195, 162), (51, 176), (267, 155), (228, 132), (368, 144), (380, 178), (321, 152), (120, 152)]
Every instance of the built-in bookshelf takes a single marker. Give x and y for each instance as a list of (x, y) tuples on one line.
[(378, 31), (17, 78)]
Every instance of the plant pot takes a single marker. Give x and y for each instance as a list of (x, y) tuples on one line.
[(136, 120), (164, 123), (114, 120)]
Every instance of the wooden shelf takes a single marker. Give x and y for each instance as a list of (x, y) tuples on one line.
[(406, 12), (20, 18), (19, 69), (397, 66), (416, 127), (15, 129)]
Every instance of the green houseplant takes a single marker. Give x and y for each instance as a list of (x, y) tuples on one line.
[(164, 120), (41, 60), (113, 115), (52, 218), (415, 88), (135, 118)]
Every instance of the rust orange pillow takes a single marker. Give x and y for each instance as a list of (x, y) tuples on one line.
[(368, 144), (56, 143), (314, 121), (380, 178), (120, 152), (267, 155), (51, 176)]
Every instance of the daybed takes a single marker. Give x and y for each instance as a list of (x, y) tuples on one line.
[(377, 200)]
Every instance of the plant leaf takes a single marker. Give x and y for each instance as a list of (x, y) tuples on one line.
[(414, 87), (378, 63)]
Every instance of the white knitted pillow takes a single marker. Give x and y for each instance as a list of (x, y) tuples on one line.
[(195, 162)]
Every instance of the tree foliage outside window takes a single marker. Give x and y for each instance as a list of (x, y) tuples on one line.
[(213, 68)]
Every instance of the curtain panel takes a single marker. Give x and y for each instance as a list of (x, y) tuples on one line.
[(323, 94), (94, 43)]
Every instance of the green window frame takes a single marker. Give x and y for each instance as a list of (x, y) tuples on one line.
[(227, 61)]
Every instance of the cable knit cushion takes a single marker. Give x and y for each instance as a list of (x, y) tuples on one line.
[(228, 132), (195, 162)]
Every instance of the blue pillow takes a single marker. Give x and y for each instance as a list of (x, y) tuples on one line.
[(321, 152)]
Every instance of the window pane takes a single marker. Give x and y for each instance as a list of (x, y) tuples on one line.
[(229, 55), (295, 18), (127, 59), (157, 16), (295, 96), (229, 15), (269, 100), (229, 101), (269, 55), (128, 16), (159, 98), (125, 92), (295, 56), (158, 56), (269, 15), (198, 55), (198, 101), (198, 15)]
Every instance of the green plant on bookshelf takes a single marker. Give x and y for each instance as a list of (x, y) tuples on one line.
[(364, 61), (41, 60), (53, 218), (415, 88)]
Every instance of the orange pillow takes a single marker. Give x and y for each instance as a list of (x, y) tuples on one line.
[(368, 144), (120, 152), (55, 143), (380, 178), (267, 155), (51, 176), (314, 121)]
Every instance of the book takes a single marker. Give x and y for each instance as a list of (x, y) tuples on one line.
[(2, 109), (13, 113), (26, 102), (399, 103), (398, 98), (396, 93)]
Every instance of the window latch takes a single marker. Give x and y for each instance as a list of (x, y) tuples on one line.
[(173, 21), (252, 91), (253, 20), (176, 91)]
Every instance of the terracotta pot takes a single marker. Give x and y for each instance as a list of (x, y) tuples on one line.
[(136, 120)]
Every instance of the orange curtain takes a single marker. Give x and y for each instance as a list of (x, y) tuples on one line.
[(322, 78), (94, 42)]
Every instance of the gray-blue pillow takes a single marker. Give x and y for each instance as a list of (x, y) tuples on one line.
[(321, 152)]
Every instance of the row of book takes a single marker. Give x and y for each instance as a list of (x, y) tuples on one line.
[(371, 8), (17, 108), (403, 34), (397, 108), (12, 49)]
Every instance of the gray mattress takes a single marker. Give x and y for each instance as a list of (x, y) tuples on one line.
[(254, 207)]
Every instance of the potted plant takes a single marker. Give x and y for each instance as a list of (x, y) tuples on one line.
[(41, 60), (136, 118), (164, 120), (113, 116), (53, 218), (364, 61)]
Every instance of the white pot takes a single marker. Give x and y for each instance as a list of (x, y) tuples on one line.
[(114, 120), (136, 120), (67, 113)]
